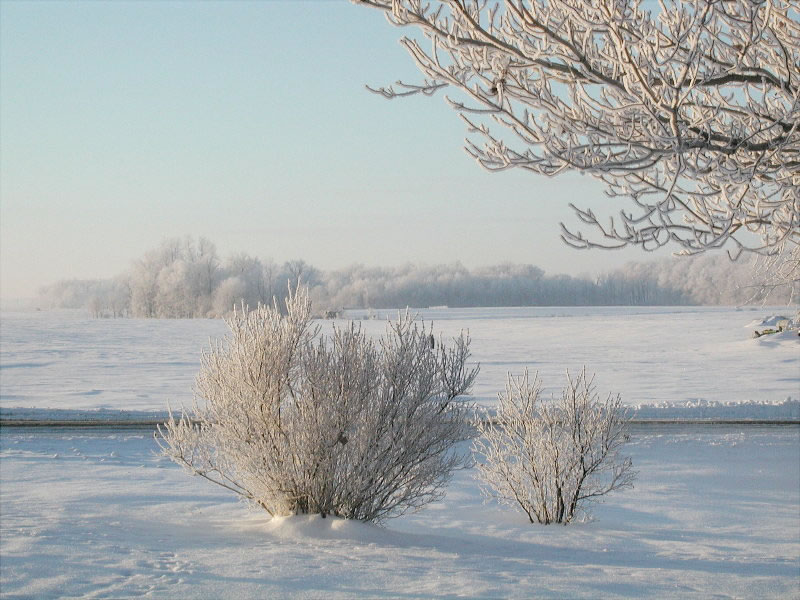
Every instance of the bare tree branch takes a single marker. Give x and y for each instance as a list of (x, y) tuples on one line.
[(691, 111)]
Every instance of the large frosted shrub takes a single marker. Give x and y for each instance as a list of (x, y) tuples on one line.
[(552, 457), (297, 422)]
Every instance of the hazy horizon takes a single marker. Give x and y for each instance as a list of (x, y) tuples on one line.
[(122, 124)]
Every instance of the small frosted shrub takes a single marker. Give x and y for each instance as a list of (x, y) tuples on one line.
[(297, 422), (552, 457)]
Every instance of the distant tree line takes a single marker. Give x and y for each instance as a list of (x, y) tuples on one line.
[(184, 278)]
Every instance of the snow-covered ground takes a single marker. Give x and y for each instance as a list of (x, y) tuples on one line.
[(715, 513), (687, 361)]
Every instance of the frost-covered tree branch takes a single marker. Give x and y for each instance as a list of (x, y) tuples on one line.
[(690, 111), (777, 275), (295, 422), (551, 458)]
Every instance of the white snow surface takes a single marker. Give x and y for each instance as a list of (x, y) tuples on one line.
[(667, 362), (771, 320), (715, 513)]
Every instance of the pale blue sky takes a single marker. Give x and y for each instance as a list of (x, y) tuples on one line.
[(122, 123)]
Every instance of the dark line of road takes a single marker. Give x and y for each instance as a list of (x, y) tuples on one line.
[(145, 424)]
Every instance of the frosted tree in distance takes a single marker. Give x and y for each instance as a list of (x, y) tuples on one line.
[(551, 458), (691, 110), (297, 422)]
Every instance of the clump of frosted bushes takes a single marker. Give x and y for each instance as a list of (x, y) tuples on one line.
[(300, 423), (296, 422)]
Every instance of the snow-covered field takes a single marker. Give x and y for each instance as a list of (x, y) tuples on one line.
[(715, 511), (701, 361), (715, 514)]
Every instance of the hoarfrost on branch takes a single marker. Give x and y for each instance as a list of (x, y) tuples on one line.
[(551, 458), (691, 111), (296, 422)]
